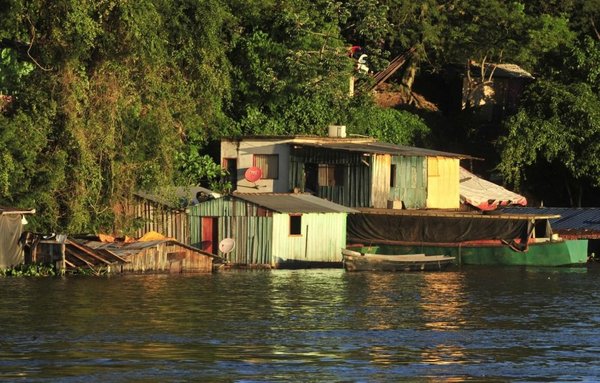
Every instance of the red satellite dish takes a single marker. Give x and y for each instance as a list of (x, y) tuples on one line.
[(253, 174)]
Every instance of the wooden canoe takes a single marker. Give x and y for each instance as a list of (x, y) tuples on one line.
[(357, 261)]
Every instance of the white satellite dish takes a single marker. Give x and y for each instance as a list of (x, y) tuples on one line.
[(227, 245)]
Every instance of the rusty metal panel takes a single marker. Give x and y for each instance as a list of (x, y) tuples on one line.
[(380, 175), (157, 259), (154, 216)]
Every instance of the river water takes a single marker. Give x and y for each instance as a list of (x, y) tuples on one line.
[(470, 323)]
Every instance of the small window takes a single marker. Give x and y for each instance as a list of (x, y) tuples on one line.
[(331, 175), (269, 164), (393, 176), (295, 225)]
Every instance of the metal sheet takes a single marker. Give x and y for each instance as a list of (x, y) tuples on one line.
[(411, 186), (443, 180)]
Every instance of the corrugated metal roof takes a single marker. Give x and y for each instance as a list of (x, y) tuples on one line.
[(573, 220), (377, 147), (293, 203), (129, 248)]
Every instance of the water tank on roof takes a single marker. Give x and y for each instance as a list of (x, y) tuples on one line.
[(338, 131)]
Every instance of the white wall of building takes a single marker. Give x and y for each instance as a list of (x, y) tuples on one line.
[(243, 151)]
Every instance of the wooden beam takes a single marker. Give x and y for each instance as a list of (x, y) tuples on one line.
[(89, 252)]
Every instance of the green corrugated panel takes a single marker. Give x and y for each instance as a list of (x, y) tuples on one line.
[(195, 223), (238, 220), (356, 191), (323, 237), (252, 238), (411, 181)]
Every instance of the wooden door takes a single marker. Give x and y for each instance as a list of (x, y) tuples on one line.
[(210, 234)]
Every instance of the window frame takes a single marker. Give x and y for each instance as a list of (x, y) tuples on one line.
[(335, 174), (298, 224), (267, 155)]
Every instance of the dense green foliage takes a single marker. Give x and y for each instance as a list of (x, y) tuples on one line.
[(556, 134), (102, 98)]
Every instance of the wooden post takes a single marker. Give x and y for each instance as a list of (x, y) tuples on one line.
[(306, 243), (63, 253)]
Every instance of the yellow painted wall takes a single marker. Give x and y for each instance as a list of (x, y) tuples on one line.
[(443, 183)]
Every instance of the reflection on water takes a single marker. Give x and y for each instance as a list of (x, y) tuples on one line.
[(480, 324)]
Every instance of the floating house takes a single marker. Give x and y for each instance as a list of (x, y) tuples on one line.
[(354, 172), (272, 229), (12, 221)]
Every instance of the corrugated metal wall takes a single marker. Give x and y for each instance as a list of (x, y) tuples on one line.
[(249, 225), (252, 237), (323, 237), (380, 192), (443, 183), (356, 191), (411, 181), (153, 216)]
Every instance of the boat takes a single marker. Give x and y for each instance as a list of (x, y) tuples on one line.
[(472, 238), (367, 259)]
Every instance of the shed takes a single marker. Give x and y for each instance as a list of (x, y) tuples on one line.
[(378, 174), (152, 255), (12, 221), (495, 89), (354, 171), (272, 229), (163, 210)]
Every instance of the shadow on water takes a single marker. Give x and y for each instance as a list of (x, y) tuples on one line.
[(469, 323)]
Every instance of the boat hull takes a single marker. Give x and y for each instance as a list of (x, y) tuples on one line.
[(550, 253), (355, 261)]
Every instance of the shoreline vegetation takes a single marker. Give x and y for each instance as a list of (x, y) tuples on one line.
[(99, 100)]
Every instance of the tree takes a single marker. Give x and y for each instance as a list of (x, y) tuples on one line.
[(120, 89)]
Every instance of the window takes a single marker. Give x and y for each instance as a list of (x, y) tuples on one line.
[(269, 164), (295, 224), (331, 175), (393, 176)]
